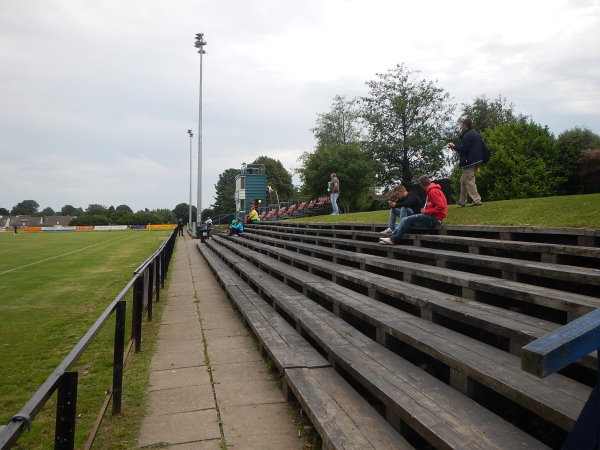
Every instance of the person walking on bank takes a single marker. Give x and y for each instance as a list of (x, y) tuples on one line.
[(180, 227), (333, 187), (471, 157), (435, 210), (407, 204)]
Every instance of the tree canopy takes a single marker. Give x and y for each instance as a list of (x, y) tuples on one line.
[(277, 177), (225, 192), (409, 121), (487, 114), (25, 208)]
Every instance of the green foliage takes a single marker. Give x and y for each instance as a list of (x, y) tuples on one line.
[(409, 123), (354, 168), (96, 210), (277, 177), (4, 212), (182, 211), (89, 219), (145, 218), (25, 208), (70, 210), (166, 215), (47, 212), (225, 192), (124, 208), (525, 162), (578, 139), (487, 114), (341, 125)]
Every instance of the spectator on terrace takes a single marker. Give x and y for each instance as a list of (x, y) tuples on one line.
[(471, 157), (236, 228), (435, 210), (406, 204), (253, 215), (333, 187)]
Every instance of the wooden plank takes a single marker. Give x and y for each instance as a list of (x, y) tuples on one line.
[(441, 415), (342, 417), (563, 346)]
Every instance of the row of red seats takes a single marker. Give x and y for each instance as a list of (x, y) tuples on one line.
[(296, 210)]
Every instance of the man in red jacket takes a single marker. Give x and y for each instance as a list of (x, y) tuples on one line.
[(436, 208)]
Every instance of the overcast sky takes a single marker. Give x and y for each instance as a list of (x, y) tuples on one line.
[(96, 97)]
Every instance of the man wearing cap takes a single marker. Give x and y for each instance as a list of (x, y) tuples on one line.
[(435, 210)]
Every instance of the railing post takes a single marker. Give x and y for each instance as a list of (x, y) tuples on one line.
[(136, 314), (66, 412), (119, 349), (156, 277), (148, 285), (162, 269)]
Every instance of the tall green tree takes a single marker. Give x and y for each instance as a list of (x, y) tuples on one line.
[(579, 145), (95, 209), (25, 208), (409, 122), (182, 211), (48, 212), (525, 162), (487, 114), (70, 210), (353, 166), (277, 177), (124, 208), (225, 192), (166, 215), (341, 125), (4, 212)]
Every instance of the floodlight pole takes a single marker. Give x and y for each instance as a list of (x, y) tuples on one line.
[(199, 44), (190, 203)]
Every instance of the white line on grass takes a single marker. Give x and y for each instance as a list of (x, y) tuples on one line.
[(59, 256)]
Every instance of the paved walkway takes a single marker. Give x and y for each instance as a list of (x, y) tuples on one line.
[(209, 386)]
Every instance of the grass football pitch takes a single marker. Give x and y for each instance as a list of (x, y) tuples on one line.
[(53, 287)]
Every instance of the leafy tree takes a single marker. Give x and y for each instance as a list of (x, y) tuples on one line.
[(341, 125), (25, 208), (96, 210), (70, 210), (577, 145), (4, 212), (409, 122), (48, 212), (225, 192), (487, 114), (121, 218), (166, 215), (525, 162), (277, 177), (207, 212), (182, 210), (110, 211), (144, 218), (89, 219), (353, 166), (124, 208)]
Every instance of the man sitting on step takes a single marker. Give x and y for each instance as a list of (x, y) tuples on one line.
[(435, 210), (406, 204)]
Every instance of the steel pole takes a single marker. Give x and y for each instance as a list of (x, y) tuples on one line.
[(199, 193), (190, 203)]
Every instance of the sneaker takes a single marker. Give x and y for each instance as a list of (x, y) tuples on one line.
[(462, 205), (386, 241), (387, 231)]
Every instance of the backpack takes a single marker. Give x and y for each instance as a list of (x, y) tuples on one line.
[(485, 152)]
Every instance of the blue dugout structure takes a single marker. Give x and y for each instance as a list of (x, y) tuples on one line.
[(250, 189)]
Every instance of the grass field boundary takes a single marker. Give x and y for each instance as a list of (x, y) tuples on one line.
[(146, 284), (63, 254)]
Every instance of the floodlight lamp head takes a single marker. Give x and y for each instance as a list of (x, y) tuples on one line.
[(200, 42), (190, 133)]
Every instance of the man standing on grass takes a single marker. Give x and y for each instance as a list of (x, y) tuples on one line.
[(406, 204), (471, 157), (436, 208), (333, 187)]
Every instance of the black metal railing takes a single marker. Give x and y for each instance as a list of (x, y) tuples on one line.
[(146, 283)]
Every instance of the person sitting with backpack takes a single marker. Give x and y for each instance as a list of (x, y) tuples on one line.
[(236, 228), (471, 151)]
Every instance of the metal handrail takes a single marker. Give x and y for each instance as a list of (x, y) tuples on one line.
[(142, 276)]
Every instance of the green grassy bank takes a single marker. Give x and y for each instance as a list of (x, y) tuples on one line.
[(564, 211)]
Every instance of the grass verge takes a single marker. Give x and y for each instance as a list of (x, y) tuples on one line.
[(564, 211)]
